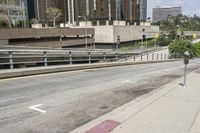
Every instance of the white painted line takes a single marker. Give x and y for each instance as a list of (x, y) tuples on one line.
[(126, 81), (37, 109)]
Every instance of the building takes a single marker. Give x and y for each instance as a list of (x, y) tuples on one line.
[(46, 37), (161, 13), (16, 9), (94, 10), (31, 9), (143, 10)]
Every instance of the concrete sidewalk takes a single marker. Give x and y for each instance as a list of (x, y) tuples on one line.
[(170, 109)]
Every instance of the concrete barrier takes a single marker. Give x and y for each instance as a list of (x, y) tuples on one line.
[(63, 68)]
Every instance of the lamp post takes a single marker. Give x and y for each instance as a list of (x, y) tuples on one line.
[(86, 42)]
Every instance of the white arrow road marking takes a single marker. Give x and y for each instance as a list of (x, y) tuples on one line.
[(37, 109), (126, 81)]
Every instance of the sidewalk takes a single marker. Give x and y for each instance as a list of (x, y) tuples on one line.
[(171, 109)]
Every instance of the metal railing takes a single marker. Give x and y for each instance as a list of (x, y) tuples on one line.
[(10, 59)]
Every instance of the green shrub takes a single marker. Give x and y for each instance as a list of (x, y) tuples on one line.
[(197, 48), (179, 46), (163, 41)]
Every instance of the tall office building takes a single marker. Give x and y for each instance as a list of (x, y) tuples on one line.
[(161, 13), (17, 10), (31, 9), (93, 10), (143, 10)]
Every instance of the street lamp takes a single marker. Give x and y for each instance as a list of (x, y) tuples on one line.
[(85, 29)]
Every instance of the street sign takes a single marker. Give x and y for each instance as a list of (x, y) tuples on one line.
[(157, 35), (194, 35)]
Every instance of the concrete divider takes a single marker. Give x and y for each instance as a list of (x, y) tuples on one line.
[(11, 73)]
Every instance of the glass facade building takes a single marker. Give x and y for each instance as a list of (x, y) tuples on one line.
[(143, 10), (17, 10)]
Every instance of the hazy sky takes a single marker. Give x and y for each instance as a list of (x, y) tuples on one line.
[(189, 7)]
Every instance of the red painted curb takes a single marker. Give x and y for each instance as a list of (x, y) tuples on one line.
[(104, 127)]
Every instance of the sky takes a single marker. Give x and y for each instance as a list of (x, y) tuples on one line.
[(189, 7)]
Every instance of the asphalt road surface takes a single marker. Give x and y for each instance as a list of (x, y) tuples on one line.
[(61, 102)]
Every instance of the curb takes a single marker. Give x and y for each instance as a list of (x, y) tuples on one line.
[(4, 74)]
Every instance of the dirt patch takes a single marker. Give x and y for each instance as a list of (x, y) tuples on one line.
[(104, 102)]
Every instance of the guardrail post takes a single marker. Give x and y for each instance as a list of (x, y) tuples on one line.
[(11, 60), (141, 57), (89, 56), (161, 56), (165, 56), (134, 57), (70, 57), (153, 56), (45, 58), (157, 56), (116, 56), (147, 56), (126, 57), (104, 57)]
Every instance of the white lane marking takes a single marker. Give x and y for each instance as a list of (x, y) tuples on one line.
[(37, 109), (126, 81)]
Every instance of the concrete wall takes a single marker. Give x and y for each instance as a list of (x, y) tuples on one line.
[(44, 37), (108, 34), (38, 33), (55, 43)]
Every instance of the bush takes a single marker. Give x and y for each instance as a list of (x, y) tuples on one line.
[(163, 41), (197, 48), (178, 48)]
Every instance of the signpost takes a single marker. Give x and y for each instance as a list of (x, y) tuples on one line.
[(118, 43)]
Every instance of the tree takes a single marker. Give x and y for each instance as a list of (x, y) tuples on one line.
[(178, 47), (4, 21), (7, 10), (53, 14)]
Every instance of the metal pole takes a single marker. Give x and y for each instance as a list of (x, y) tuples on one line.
[(70, 57), (89, 55), (153, 56), (86, 33), (45, 58), (126, 57), (146, 42), (11, 60), (104, 56), (185, 74)]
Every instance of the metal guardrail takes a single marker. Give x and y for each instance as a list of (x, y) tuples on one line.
[(27, 58)]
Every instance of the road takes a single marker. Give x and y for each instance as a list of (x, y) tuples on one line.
[(61, 102)]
